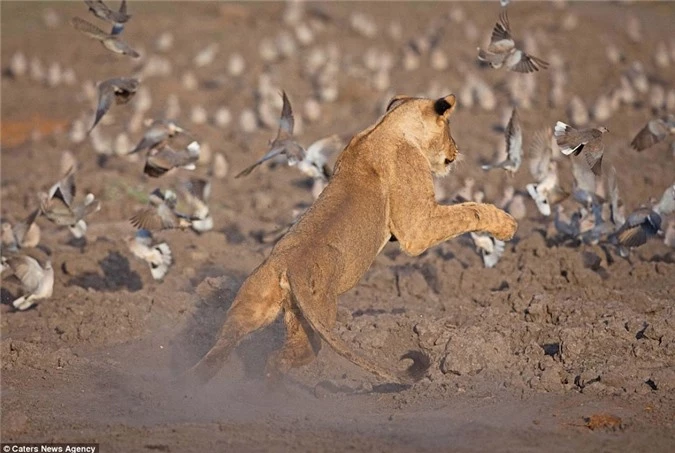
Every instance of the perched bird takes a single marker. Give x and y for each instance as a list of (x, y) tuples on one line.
[(158, 256), (158, 135), (60, 207), (283, 143), (655, 131), (514, 146), (502, 50), (23, 234), (37, 282), (111, 42), (197, 192), (162, 159), (588, 141), (490, 249), (161, 215), (120, 90)]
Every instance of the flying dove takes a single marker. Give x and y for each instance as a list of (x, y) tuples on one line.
[(37, 282), (586, 141), (490, 249), (102, 11), (161, 215), (655, 131), (158, 256), (514, 146), (23, 234), (197, 192), (60, 207), (162, 159), (120, 90), (158, 134), (502, 50), (111, 42), (283, 143)]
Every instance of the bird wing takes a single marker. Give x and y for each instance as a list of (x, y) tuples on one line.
[(539, 198), (161, 160), (583, 176), (270, 154), (28, 271), (23, 226), (514, 139), (106, 96), (322, 153), (634, 236), (667, 203), (653, 132), (156, 134), (64, 190), (198, 188), (88, 29), (125, 48), (541, 154), (593, 152), (125, 84), (286, 122), (154, 219), (613, 192), (528, 63), (501, 40)]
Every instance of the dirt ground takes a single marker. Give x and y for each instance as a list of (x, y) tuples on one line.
[(560, 347)]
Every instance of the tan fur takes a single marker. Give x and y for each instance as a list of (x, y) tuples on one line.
[(382, 187)]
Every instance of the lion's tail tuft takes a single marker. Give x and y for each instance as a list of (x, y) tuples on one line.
[(418, 369)]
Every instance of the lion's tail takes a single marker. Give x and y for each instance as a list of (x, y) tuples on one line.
[(417, 370)]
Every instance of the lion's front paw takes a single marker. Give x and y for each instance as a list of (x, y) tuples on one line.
[(504, 227)]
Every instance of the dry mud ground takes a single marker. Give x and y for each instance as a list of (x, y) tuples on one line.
[(523, 353)]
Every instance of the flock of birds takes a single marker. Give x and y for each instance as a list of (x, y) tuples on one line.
[(599, 216)]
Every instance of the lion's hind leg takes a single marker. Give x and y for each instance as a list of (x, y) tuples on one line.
[(256, 305), (300, 348)]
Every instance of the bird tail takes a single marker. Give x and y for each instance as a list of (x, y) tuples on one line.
[(79, 229), (159, 268), (194, 149), (23, 303), (202, 225), (560, 132)]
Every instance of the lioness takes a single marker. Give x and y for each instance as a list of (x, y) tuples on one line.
[(381, 188)]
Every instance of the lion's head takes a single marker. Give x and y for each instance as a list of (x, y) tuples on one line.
[(424, 123)]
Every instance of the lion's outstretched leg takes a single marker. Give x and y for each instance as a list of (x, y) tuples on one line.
[(425, 226), (301, 347), (257, 305)]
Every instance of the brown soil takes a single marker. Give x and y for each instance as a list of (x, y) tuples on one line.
[(559, 348)]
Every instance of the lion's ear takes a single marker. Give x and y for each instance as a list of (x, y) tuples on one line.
[(445, 106), (396, 100)]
